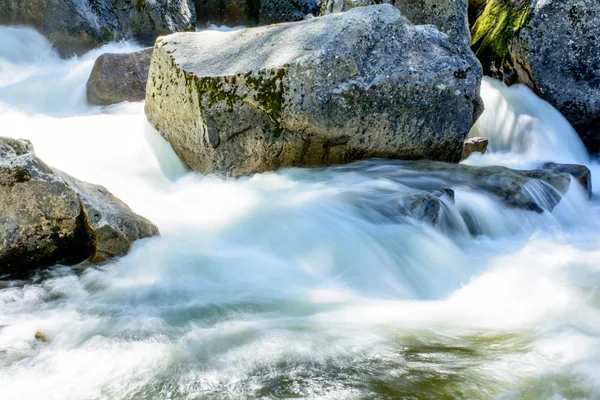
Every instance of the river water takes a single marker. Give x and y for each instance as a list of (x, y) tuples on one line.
[(298, 283)]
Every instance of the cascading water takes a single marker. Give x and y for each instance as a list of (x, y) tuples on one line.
[(300, 282)]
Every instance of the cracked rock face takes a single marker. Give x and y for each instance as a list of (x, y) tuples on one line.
[(48, 217), (77, 26), (329, 90)]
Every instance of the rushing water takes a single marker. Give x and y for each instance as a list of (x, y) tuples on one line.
[(299, 283)]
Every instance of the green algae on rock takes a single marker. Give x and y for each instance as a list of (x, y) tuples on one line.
[(494, 29)]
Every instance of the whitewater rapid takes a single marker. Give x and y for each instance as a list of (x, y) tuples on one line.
[(295, 283)]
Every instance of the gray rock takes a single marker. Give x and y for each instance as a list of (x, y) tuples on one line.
[(449, 16), (76, 26), (47, 217), (324, 91), (557, 53), (514, 188), (119, 77), (273, 11), (474, 145), (115, 225), (580, 172), (551, 46)]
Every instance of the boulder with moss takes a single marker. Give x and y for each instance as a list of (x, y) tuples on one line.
[(77, 26), (48, 217), (329, 90), (552, 46)]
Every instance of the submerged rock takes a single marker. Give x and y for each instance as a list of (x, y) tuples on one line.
[(551, 46), (47, 217), (536, 190), (119, 77), (421, 206), (580, 172), (324, 91), (474, 145), (77, 26)]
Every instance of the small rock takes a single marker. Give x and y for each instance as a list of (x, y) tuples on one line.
[(581, 173), (41, 336), (474, 145), (119, 77)]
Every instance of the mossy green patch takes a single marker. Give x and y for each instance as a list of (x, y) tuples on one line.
[(495, 28), (140, 5), (264, 87)]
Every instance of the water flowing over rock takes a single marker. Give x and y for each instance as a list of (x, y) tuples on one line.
[(329, 90), (581, 173), (514, 188), (76, 26), (119, 77), (48, 217), (551, 46), (474, 145)]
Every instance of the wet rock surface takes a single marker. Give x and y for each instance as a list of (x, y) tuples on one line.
[(580, 172)]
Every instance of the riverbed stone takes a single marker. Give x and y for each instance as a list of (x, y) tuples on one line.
[(77, 26), (323, 91), (48, 217), (513, 188), (119, 77), (581, 173), (474, 145)]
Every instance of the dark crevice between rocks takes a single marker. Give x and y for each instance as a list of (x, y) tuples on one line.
[(253, 12)]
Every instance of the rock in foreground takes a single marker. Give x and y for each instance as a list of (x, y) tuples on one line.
[(77, 26), (119, 77), (329, 90), (47, 217)]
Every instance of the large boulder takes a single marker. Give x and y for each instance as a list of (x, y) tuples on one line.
[(48, 217), (119, 77), (328, 90), (449, 16), (551, 46), (76, 26)]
